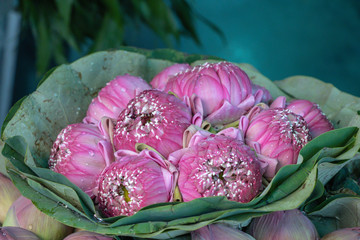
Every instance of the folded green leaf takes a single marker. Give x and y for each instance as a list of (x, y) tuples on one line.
[(49, 206), (291, 201), (332, 139), (340, 212), (317, 193), (46, 192), (3, 160), (331, 167)]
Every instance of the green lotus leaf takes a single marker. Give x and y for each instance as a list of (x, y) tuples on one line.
[(3, 160), (329, 166), (50, 206), (336, 213), (62, 98), (312, 201)]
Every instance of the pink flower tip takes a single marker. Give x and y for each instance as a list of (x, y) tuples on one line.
[(133, 182), (283, 225), (154, 118), (224, 89), (160, 80), (80, 152), (277, 135), (314, 117), (220, 231), (17, 233), (217, 165), (344, 234), (114, 97)]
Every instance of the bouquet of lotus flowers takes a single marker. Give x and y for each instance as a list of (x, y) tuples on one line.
[(160, 144)]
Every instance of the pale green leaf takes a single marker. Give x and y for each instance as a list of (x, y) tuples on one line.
[(343, 212)]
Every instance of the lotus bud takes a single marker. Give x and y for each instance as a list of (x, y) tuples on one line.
[(135, 181), (154, 118), (314, 117), (9, 193), (16, 233), (283, 225), (217, 165), (343, 234), (24, 214), (224, 89), (261, 94), (80, 152), (85, 235), (160, 80), (220, 231), (114, 97), (277, 135)]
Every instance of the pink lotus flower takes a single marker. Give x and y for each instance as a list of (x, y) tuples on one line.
[(154, 118), (114, 97), (344, 234), (16, 233), (283, 225), (160, 80), (276, 134), (314, 117), (80, 153), (219, 231), (133, 182), (24, 214), (9, 193), (224, 89), (217, 165), (85, 235)]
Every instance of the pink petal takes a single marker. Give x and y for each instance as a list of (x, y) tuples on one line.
[(226, 113), (279, 102)]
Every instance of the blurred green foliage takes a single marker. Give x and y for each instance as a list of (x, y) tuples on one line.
[(89, 26)]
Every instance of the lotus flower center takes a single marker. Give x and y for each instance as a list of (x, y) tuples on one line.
[(146, 118), (142, 117), (292, 127), (221, 175), (225, 172), (123, 191), (118, 191)]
